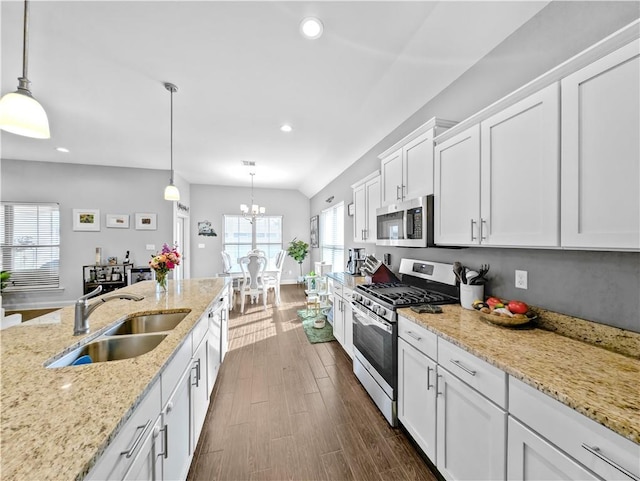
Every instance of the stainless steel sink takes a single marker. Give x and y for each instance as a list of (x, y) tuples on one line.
[(146, 323), (106, 349)]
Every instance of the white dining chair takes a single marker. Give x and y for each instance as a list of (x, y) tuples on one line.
[(273, 281), (252, 283), (235, 283)]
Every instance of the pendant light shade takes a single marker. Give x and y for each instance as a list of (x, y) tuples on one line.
[(20, 113), (171, 192)]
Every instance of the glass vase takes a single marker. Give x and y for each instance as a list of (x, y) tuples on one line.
[(161, 281)]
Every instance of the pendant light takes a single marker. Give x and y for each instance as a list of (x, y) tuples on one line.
[(252, 211), (171, 192), (20, 113)]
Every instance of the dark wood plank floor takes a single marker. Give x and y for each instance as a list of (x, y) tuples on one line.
[(285, 409)]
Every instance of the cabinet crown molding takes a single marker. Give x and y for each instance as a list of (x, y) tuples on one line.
[(604, 47), (433, 123), (372, 175)]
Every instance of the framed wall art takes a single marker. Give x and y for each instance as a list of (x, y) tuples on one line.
[(117, 221), (314, 232), (87, 220), (146, 221)]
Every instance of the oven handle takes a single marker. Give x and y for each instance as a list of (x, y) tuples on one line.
[(367, 320)]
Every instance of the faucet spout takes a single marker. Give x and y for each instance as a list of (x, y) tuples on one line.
[(84, 309)]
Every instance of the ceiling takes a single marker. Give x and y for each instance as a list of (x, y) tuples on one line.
[(242, 70)]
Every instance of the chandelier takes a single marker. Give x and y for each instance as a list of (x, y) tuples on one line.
[(254, 211)]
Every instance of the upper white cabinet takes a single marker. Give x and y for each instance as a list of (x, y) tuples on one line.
[(457, 189), (520, 166), (601, 152), (407, 167), (366, 199)]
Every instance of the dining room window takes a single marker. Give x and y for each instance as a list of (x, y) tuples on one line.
[(332, 236), (238, 235), (30, 236)]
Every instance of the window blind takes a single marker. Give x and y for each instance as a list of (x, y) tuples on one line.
[(332, 236), (30, 245), (237, 235)]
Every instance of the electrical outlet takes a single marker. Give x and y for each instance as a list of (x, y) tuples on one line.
[(151, 247), (521, 279), (200, 246)]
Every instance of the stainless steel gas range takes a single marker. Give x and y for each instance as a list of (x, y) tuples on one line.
[(375, 332)]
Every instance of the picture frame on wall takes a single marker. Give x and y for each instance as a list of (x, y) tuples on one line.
[(314, 234), (146, 221), (117, 221), (86, 220)]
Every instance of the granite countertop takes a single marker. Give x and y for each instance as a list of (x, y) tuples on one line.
[(596, 382), (55, 423), (346, 279)]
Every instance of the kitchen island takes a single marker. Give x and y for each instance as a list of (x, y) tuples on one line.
[(56, 423)]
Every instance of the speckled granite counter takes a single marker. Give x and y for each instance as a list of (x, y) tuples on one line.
[(346, 279), (596, 382), (56, 422)]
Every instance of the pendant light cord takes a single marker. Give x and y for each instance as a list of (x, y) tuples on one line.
[(23, 82), (171, 136)]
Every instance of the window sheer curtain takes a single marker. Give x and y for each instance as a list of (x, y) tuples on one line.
[(332, 237)]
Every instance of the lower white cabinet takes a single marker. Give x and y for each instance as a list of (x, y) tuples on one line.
[(147, 465), (342, 324), (471, 432), (532, 458), (176, 432), (417, 396), (199, 390)]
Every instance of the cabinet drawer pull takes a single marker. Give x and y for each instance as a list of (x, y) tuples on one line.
[(473, 223), (429, 386), (595, 450), (461, 366), (415, 336), (143, 429)]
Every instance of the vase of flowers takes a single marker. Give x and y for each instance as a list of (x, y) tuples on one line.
[(163, 262)]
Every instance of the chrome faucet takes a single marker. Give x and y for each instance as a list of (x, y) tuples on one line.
[(84, 309)]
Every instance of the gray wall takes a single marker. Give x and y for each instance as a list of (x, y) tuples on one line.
[(113, 190), (210, 202), (599, 286)]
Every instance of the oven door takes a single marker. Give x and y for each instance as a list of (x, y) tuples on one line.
[(377, 340)]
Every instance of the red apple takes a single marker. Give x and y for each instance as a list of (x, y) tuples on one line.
[(492, 301), (517, 307)]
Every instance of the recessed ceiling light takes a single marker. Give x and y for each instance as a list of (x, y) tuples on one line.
[(62, 149), (286, 128), (311, 28)]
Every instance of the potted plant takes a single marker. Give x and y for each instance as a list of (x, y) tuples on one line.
[(298, 250), (4, 279)]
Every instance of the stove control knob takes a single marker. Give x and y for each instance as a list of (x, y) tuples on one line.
[(381, 311), (367, 302), (357, 297)]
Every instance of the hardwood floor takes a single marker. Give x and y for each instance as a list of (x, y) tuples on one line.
[(286, 409)]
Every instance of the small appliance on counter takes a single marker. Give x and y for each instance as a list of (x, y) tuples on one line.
[(138, 274), (356, 260)]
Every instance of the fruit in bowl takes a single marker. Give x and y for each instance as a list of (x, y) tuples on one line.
[(498, 307)]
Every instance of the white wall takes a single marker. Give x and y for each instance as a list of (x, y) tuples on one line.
[(210, 202), (112, 190)]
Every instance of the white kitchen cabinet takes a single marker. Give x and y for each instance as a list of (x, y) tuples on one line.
[(199, 392), (176, 430), (417, 396), (338, 311), (531, 458), (366, 199), (147, 465), (471, 432), (407, 167), (457, 189), (122, 451), (601, 153), (347, 343), (520, 180)]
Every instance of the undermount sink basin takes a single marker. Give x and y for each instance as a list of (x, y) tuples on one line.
[(107, 349), (146, 323)]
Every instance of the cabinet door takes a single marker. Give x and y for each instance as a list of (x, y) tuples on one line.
[(531, 458), (416, 396), (176, 433), (348, 324), (601, 153), (147, 465), (457, 189), (373, 203), (471, 432), (199, 391), (359, 213), (520, 165), (391, 178), (338, 319), (417, 165), (213, 348)]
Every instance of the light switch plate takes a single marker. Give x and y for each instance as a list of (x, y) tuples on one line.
[(151, 247), (200, 246)]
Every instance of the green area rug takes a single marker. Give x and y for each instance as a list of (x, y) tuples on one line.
[(313, 334)]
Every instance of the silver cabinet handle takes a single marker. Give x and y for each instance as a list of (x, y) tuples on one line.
[(398, 192), (473, 222), (403, 190), (165, 441), (415, 336), (483, 224), (143, 429), (197, 368), (595, 450), (461, 366), (429, 386), (438, 376)]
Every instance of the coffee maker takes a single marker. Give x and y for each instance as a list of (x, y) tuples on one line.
[(357, 256)]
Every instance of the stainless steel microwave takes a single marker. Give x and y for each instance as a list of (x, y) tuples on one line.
[(406, 224)]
